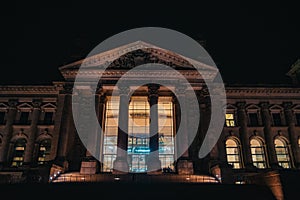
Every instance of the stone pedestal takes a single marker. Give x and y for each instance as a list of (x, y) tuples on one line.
[(153, 166), (120, 166), (88, 167), (185, 166)]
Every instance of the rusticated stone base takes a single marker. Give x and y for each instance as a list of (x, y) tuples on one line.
[(185, 167)]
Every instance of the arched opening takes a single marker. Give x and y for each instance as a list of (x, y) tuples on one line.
[(44, 151), (18, 153), (233, 153), (282, 153), (258, 153)]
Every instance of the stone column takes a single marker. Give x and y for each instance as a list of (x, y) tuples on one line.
[(243, 130), (121, 164), (7, 133), (153, 162), (267, 121), (28, 156), (67, 128), (184, 163), (289, 115)]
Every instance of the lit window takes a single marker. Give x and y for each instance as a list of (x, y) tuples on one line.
[(166, 136), (110, 133), (230, 121), (44, 151), (18, 153), (233, 153), (299, 142), (282, 153), (258, 153)]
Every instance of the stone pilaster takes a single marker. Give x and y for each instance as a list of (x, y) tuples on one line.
[(28, 156), (267, 121), (120, 165), (184, 163), (289, 115), (243, 130), (7, 133), (153, 162)]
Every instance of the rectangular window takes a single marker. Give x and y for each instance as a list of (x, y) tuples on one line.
[(48, 118), (2, 117), (24, 118), (230, 122), (253, 119), (297, 115), (276, 119)]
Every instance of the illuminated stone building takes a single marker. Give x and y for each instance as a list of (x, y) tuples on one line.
[(260, 141)]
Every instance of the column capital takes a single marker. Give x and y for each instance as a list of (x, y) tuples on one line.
[(241, 105), (12, 103), (180, 90), (67, 88), (153, 89), (264, 105), (287, 105), (123, 90), (37, 103)]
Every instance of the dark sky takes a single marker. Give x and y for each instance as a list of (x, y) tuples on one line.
[(250, 42)]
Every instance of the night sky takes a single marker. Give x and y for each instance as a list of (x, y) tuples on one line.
[(251, 43)]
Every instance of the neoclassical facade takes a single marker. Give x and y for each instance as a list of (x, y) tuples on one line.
[(39, 139)]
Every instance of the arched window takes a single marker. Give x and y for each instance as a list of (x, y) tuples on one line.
[(44, 151), (282, 153), (18, 154), (258, 153), (233, 153)]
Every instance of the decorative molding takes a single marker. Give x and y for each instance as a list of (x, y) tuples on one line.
[(6, 90)]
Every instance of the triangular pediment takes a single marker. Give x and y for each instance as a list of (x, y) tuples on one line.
[(48, 106), (25, 106), (134, 54), (276, 107), (252, 107)]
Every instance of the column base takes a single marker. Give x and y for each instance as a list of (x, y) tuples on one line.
[(185, 166), (120, 166), (153, 166)]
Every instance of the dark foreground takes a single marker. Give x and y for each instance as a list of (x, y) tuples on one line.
[(139, 191)]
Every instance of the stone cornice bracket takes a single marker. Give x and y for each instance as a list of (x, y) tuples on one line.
[(12, 103)]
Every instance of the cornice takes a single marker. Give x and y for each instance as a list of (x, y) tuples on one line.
[(28, 90)]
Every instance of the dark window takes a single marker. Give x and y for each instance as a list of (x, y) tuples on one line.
[(2, 117), (24, 118), (276, 119), (297, 119), (48, 118), (253, 119)]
